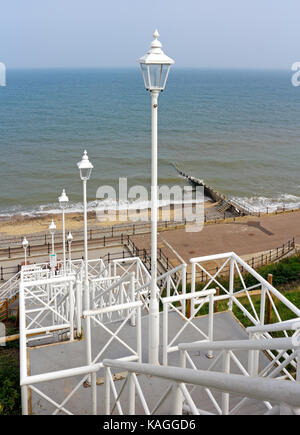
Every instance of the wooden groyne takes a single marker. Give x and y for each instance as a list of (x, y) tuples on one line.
[(224, 203)]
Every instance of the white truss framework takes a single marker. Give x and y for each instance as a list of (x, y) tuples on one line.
[(119, 298)]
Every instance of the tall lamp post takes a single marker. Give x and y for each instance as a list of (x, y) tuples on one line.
[(70, 240), (63, 202), (85, 168), (155, 66), (25, 246), (52, 228)]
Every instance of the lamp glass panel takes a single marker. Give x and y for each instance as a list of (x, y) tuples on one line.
[(85, 173), (145, 75)]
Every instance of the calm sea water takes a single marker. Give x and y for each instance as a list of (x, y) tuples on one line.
[(237, 130)]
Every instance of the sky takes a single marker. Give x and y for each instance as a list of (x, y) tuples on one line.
[(258, 34)]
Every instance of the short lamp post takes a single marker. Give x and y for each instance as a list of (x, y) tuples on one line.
[(155, 66), (70, 240), (25, 246), (52, 229), (63, 202), (85, 168)]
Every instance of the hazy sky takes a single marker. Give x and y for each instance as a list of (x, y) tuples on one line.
[(103, 33)]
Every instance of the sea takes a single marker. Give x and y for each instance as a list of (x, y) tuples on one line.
[(238, 130)]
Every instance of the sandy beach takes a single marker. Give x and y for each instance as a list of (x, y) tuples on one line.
[(26, 225)]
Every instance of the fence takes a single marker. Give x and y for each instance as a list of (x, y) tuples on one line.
[(13, 245), (255, 262)]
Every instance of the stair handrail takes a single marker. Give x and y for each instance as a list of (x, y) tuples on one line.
[(6, 287), (292, 324), (264, 389), (264, 344)]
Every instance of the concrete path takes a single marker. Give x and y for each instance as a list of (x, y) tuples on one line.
[(67, 355)]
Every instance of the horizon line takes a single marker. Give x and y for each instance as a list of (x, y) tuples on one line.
[(234, 68)]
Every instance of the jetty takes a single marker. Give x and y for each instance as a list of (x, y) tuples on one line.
[(224, 204)]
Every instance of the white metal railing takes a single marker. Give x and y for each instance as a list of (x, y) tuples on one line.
[(11, 288), (260, 289), (227, 355), (133, 311), (50, 304), (284, 394), (169, 306)]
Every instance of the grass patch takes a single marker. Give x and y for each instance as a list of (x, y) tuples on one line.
[(10, 392)]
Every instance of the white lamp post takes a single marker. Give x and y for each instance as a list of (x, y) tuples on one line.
[(155, 66), (25, 246), (63, 202), (52, 228), (85, 167), (70, 240)]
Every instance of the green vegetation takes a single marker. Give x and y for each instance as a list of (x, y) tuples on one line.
[(10, 396)]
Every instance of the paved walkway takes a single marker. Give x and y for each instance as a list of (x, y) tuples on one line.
[(248, 235), (66, 355)]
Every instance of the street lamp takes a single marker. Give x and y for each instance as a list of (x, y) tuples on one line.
[(63, 202), (155, 66), (70, 240), (25, 246), (52, 228), (85, 168)]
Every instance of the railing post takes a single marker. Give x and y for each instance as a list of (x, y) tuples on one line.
[(177, 399), (132, 294), (78, 306), (226, 370), (71, 313), (269, 305), (94, 393), (24, 399), (168, 286), (183, 288), (165, 334), (107, 390), (231, 283), (193, 280), (216, 306), (253, 359), (131, 394), (210, 324)]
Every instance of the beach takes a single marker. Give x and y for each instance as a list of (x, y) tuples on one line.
[(28, 225)]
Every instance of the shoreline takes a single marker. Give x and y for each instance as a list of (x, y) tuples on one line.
[(28, 225), (21, 226)]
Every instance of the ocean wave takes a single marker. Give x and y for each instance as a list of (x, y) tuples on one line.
[(96, 205), (264, 204)]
